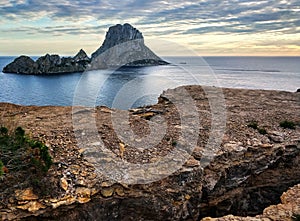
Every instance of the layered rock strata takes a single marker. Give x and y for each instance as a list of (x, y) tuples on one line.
[(248, 172)]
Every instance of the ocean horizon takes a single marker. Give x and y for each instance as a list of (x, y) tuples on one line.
[(144, 85)]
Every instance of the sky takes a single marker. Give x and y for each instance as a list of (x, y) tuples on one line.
[(170, 28)]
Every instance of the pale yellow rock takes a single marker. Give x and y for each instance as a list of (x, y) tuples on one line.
[(83, 192), (94, 191), (107, 192), (187, 197), (32, 206), (83, 200), (106, 184), (68, 200), (64, 184), (25, 195), (122, 150), (120, 191)]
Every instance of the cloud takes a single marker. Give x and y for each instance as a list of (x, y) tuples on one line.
[(153, 17)]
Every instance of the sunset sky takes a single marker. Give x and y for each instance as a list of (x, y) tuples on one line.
[(174, 27)]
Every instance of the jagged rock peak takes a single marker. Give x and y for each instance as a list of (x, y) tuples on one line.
[(118, 34), (81, 56)]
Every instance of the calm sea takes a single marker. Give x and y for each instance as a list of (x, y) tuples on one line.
[(132, 87)]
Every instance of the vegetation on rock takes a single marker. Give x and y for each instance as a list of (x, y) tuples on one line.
[(254, 125), (23, 161), (288, 125)]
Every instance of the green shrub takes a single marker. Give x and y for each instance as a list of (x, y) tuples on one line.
[(19, 152), (288, 125), (253, 125), (174, 143), (3, 130), (262, 131)]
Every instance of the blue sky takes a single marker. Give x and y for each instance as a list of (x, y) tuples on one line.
[(204, 27)]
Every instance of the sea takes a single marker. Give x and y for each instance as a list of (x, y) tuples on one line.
[(126, 88)]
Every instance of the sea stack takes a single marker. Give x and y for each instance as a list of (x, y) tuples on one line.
[(124, 46)]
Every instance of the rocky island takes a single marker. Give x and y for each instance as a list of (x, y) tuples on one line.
[(254, 174), (49, 64), (123, 46)]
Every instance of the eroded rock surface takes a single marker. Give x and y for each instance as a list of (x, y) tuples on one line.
[(248, 172)]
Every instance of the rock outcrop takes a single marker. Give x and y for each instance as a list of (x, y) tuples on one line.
[(249, 171), (49, 64), (124, 46)]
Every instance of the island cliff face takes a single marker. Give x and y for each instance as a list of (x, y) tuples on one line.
[(123, 46)]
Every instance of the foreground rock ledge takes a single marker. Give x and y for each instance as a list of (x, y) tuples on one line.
[(249, 173)]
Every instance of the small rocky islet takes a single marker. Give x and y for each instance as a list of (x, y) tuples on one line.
[(253, 175), (123, 46)]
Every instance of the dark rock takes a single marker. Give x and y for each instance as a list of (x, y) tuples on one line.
[(22, 64), (124, 46), (298, 90), (49, 64), (81, 56), (116, 35)]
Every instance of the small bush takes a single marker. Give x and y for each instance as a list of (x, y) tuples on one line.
[(262, 131), (3, 130), (253, 125), (19, 152), (288, 125), (174, 143)]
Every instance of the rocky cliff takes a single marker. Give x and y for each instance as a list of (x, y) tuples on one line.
[(124, 46), (49, 64), (257, 161)]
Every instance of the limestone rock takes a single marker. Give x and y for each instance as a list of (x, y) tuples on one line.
[(25, 195), (64, 184), (116, 35), (107, 192), (124, 46), (32, 206), (247, 175)]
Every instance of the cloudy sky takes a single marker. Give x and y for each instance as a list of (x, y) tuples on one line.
[(170, 27)]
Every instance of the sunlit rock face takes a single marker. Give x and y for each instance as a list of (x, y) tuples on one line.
[(124, 46)]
